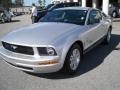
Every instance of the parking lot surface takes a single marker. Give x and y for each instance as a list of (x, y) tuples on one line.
[(100, 69)]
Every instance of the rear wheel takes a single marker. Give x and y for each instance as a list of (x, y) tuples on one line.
[(73, 59), (9, 19), (108, 37), (3, 21), (114, 14)]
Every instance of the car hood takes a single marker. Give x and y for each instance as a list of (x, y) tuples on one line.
[(38, 34)]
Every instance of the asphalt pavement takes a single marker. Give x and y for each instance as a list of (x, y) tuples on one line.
[(100, 69)]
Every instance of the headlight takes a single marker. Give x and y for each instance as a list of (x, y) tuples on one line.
[(46, 51)]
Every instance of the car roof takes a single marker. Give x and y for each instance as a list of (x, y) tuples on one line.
[(76, 8), (68, 3)]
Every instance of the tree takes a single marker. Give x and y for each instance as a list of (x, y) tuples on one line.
[(19, 3), (42, 3), (6, 3)]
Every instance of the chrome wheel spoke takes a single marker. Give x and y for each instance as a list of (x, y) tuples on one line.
[(74, 59)]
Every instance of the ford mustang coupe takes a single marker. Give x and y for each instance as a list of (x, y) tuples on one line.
[(58, 41)]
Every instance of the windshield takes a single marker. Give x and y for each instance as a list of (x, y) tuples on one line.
[(66, 16), (56, 6)]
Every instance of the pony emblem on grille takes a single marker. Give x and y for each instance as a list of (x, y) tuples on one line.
[(14, 47)]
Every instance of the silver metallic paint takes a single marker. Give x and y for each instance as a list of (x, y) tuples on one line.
[(60, 36)]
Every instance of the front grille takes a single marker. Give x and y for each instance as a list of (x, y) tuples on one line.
[(18, 48)]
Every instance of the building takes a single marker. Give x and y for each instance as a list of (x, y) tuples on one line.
[(104, 4), (62, 1)]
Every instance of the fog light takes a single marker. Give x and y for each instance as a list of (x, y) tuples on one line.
[(48, 62)]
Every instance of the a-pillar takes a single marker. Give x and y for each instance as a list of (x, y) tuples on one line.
[(105, 6), (95, 3), (83, 3)]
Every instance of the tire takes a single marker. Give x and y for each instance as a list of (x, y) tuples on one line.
[(10, 19), (72, 60), (114, 14), (3, 21), (107, 37)]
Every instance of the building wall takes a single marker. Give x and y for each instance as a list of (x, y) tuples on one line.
[(72, 0), (59, 1), (88, 1)]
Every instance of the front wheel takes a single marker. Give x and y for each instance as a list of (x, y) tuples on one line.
[(73, 59)]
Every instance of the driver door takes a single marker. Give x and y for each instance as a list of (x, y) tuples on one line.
[(94, 28)]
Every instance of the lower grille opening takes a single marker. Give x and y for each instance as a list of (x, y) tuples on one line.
[(18, 48), (22, 67)]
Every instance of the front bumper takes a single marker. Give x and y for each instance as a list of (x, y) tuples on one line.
[(31, 63)]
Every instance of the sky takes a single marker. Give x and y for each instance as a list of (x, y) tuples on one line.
[(29, 2)]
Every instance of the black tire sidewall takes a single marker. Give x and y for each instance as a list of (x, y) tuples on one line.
[(67, 68), (115, 14), (105, 40)]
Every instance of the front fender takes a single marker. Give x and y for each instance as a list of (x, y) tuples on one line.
[(68, 43)]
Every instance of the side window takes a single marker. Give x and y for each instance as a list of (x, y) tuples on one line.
[(69, 4), (78, 4), (94, 17), (66, 5), (59, 6), (72, 4)]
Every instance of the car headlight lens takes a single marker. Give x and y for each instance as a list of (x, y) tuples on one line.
[(51, 51), (46, 51)]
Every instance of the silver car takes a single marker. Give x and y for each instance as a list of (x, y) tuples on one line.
[(58, 41)]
